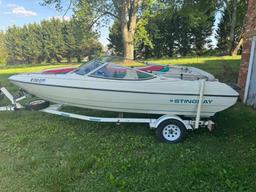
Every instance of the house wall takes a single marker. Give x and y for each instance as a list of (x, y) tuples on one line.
[(250, 89)]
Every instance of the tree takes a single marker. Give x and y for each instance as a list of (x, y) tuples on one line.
[(141, 38), (3, 50), (50, 40), (125, 11), (222, 33), (115, 38), (13, 44), (69, 40), (239, 29), (86, 42), (179, 28), (30, 43), (230, 28), (183, 28)]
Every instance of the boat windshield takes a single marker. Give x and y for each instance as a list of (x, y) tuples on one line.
[(93, 64), (89, 66), (113, 71)]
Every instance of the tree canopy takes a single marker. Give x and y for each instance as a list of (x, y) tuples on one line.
[(127, 12), (3, 50), (174, 28), (144, 28), (50, 40), (226, 43)]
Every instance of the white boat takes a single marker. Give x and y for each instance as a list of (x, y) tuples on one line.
[(104, 85)]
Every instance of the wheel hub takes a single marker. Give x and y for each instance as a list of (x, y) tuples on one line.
[(171, 132)]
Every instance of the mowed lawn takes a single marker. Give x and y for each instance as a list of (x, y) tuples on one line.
[(43, 152)]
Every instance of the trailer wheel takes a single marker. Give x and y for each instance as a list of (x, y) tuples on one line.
[(171, 131), (38, 105)]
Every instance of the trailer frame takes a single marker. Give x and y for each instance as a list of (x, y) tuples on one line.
[(154, 123)]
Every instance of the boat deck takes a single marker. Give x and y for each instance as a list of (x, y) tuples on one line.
[(181, 72)]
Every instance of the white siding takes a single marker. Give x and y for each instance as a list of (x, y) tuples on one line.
[(251, 81)]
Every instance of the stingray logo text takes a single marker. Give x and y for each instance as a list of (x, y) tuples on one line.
[(190, 101)]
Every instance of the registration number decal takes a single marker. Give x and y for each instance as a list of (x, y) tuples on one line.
[(37, 80)]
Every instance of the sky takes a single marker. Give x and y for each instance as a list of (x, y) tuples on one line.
[(20, 12)]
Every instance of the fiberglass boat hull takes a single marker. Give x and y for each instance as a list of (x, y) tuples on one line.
[(154, 96)]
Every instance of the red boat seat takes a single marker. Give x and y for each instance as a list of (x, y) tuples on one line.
[(59, 71), (152, 68)]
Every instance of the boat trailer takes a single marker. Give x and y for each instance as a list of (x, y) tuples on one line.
[(13, 99), (170, 128)]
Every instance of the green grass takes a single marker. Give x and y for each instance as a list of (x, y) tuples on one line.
[(43, 152), (194, 60)]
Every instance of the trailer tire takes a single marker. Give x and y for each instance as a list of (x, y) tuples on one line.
[(171, 131), (38, 105)]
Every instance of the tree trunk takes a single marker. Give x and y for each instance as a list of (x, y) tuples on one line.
[(240, 43), (78, 59), (249, 32), (128, 20), (232, 28), (128, 40)]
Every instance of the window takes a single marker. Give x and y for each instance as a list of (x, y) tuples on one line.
[(88, 67), (112, 71)]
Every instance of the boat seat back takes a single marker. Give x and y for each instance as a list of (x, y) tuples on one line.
[(131, 74)]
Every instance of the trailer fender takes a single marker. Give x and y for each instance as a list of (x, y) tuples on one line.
[(161, 119)]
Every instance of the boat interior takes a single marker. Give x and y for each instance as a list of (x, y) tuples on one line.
[(181, 72), (118, 68)]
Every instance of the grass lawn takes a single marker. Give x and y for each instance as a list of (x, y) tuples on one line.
[(43, 152)]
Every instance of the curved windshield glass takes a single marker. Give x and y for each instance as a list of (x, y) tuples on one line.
[(112, 71), (89, 66), (93, 64)]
